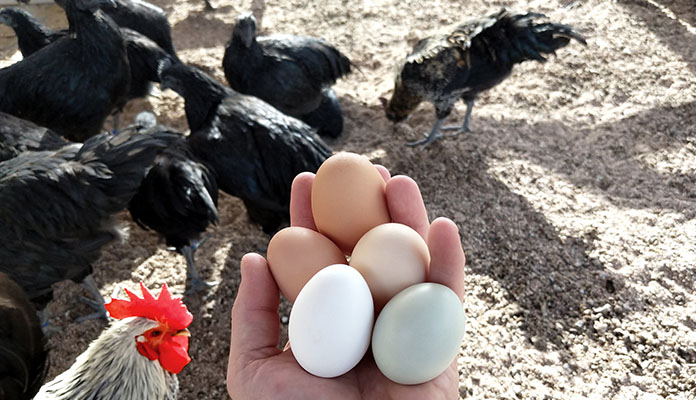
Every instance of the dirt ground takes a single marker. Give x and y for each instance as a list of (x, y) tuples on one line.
[(575, 195)]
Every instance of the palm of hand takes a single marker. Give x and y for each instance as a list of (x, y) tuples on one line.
[(257, 369)]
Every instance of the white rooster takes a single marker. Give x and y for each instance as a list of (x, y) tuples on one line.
[(137, 358)]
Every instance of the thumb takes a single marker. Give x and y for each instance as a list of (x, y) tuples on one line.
[(255, 322)]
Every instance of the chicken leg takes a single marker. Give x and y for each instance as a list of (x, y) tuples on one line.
[(197, 284), (467, 119), (96, 302)]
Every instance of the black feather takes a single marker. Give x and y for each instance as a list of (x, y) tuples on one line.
[(72, 85), (255, 150), (144, 55), (289, 72), (145, 18), (18, 136), (23, 358), (475, 57), (58, 206)]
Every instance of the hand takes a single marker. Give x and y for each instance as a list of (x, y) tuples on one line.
[(257, 369)]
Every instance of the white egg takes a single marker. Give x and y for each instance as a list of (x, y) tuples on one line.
[(331, 321), (418, 333)]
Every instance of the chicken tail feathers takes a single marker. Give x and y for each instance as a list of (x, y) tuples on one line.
[(121, 162), (516, 38)]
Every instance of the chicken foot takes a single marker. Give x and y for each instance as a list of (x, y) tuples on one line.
[(197, 283), (467, 119), (435, 132), (96, 302)]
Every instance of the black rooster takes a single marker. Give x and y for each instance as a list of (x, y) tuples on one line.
[(72, 85), (58, 207), (144, 55), (23, 356), (475, 57), (255, 150), (292, 73), (178, 199), (18, 136)]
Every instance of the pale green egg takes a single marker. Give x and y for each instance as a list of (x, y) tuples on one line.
[(418, 333)]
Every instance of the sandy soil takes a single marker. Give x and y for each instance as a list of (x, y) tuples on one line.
[(575, 195)]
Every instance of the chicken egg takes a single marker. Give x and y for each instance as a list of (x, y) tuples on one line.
[(348, 199), (418, 333), (295, 254), (331, 322), (391, 257)]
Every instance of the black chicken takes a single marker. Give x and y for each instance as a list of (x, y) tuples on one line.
[(58, 207), (145, 18), (72, 85), (255, 150), (144, 55), (475, 57), (292, 73), (18, 136), (31, 34), (23, 356), (178, 199)]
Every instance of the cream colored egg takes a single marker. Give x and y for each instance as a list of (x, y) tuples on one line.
[(331, 322), (391, 257), (348, 199), (295, 254), (418, 333)]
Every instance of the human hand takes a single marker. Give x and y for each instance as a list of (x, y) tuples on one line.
[(257, 369)]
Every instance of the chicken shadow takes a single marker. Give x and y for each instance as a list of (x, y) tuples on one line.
[(671, 31)]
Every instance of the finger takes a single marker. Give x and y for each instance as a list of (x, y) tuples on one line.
[(301, 201), (447, 258), (255, 322), (383, 171), (406, 204)]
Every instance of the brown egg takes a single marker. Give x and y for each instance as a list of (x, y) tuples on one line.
[(348, 199), (295, 254), (391, 257)]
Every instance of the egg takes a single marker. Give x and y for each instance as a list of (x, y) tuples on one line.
[(418, 333), (348, 199), (331, 322), (391, 257), (295, 254)]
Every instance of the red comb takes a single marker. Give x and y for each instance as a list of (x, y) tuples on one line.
[(164, 308)]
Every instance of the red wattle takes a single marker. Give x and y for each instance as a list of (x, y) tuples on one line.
[(173, 353), (146, 350)]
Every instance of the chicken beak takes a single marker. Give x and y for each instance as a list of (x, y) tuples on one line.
[(183, 332)]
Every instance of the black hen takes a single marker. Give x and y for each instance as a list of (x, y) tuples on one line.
[(72, 85), (178, 199), (144, 55), (18, 136), (475, 57), (31, 34), (23, 356), (255, 150), (292, 73), (58, 207)]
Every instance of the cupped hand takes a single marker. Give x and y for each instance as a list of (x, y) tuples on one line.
[(258, 369)]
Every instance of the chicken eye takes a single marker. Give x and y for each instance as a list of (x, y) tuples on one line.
[(156, 333)]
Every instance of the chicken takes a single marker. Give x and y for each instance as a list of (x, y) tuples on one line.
[(475, 57), (178, 199), (22, 353), (18, 136), (254, 149), (145, 18), (58, 208), (144, 55), (136, 358), (31, 34), (292, 73), (72, 85)]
